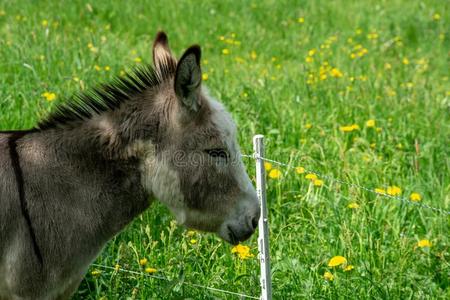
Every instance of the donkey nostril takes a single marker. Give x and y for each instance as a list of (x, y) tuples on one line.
[(255, 222)]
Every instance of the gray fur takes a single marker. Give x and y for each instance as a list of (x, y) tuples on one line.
[(87, 176)]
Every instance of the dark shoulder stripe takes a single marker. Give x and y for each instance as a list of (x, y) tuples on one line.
[(12, 142)]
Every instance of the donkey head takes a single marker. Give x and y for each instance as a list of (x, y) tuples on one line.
[(197, 170)]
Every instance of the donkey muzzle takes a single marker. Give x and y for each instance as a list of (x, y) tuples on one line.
[(242, 230)]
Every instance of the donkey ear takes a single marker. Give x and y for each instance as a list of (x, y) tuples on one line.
[(188, 78), (162, 56)]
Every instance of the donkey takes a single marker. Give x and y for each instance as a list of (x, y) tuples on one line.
[(83, 173)]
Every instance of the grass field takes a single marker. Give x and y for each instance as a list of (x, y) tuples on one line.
[(358, 90)]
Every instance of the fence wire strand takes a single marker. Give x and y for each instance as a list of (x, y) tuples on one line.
[(166, 279), (328, 177), (355, 185)]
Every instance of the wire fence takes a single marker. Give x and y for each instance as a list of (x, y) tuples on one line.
[(354, 185), (140, 273), (328, 177)]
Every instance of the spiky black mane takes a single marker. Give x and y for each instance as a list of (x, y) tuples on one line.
[(105, 97)]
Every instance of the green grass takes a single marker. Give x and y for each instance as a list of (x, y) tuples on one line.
[(402, 82)]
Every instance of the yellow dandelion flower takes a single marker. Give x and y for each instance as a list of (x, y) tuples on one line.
[(225, 51), (49, 96), (336, 73), (363, 52), (353, 205), (308, 125), (300, 170), (337, 261), (150, 270), (275, 174), (193, 241), (394, 190), (143, 261), (301, 20), (370, 123), (267, 166), (348, 268), (436, 17), (239, 60), (346, 128), (242, 251), (379, 129), (229, 41), (328, 276), (391, 92), (205, 76), (96, 272), (323, 76), (253, 55), (44, 23), (424, 243), (318, 182), (349, 128), (405, 61), (311, 176), (372, 36), (415, 197), (309, 59), (137, 60), (94, 49), (107, 68)]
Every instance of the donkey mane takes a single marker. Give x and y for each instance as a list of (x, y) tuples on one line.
[(107, 96)]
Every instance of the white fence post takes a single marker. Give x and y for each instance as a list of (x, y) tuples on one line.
[(263, 239)]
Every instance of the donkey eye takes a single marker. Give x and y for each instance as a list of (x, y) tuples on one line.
[(217, 153)]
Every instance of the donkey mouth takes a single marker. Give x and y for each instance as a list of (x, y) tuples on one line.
[(234, 239)]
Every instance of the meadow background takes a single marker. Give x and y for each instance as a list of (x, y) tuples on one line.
[(358, 90)]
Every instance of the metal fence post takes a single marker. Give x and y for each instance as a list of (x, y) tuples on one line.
[(263, 239)]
